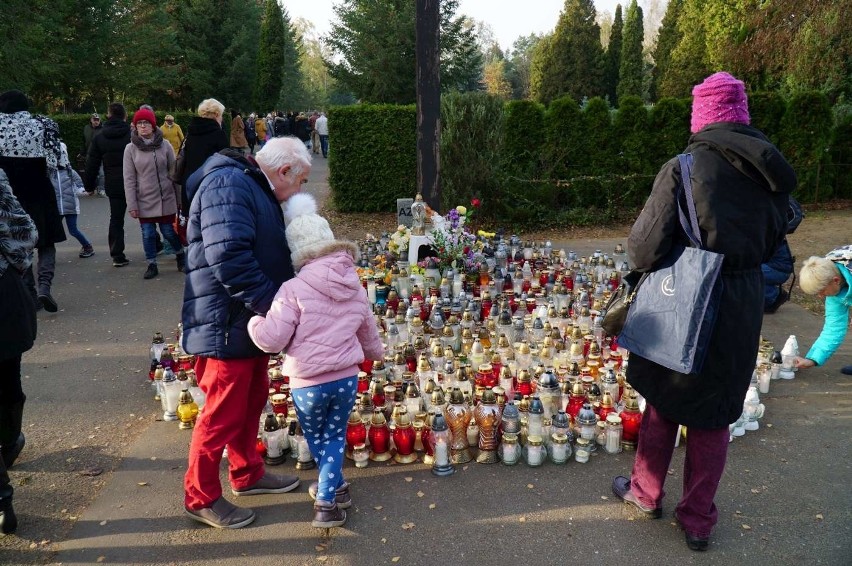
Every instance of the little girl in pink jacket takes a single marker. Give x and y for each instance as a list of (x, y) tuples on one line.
[(323, 321)]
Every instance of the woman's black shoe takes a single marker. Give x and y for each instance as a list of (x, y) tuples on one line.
[(8, 520), (698, 544)]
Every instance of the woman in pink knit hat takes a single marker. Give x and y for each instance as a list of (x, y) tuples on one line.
[(741, 184)]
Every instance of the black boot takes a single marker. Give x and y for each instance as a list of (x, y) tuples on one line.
[(8, 520), (11, 438)]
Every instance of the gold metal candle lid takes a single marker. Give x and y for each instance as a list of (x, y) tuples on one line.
[(378, 418), (456, 396), (489, 397), (423, 363), (355, 417), (534, 440)]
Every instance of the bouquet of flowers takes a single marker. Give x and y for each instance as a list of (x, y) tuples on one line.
[(451, 238), (398, 242)]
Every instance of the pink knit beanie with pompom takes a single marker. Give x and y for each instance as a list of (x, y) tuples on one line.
[(720, 98)]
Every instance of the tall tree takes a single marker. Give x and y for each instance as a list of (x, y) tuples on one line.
[(270, 58), (631, 69), (520, 58), (570, 63), (318, 84), (292, 93), (373, 50), (613, 56), (689, 62), (495, 79), (667, 40)]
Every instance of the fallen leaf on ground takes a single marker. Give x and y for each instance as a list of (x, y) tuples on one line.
[(409, 479), (755, 490), (420, 494), (432, 506), (378, 507), (101, 558), (319, 548), (530, 486), (142, 483), (407, 526), (384, 540), (604, 497), (819, 516), (92, 472), (746, 527), (102, 523), (395, 559), (522, 520), (322, 558)]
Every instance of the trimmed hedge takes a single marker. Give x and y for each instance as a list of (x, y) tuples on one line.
[(372, 156), (472, 128), (540, 166), (804, 140)]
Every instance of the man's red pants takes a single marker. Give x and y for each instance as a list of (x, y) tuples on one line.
[(236, 394)]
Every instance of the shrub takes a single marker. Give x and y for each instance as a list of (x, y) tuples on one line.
[(804, 137), (668, 126), (563, 147), (523, 128), (631, 136), (372, 156), (767, 110), (598, 149), (471, 132)]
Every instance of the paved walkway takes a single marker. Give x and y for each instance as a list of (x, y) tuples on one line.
[(99, 460)]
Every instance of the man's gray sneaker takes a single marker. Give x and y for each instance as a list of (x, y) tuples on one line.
[(269, 483), (222, 515)]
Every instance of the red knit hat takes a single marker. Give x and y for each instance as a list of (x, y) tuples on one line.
[(144, 114), (720, 98)]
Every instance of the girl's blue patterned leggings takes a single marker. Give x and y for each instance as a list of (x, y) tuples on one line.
[(323, 412)]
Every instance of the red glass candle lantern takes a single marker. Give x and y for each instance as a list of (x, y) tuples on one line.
[(484, 376), (379, 436), (576, 400), (605, 406), (426, 439), (363, 381), (356, 432), (377, 393), (485, 309), (631, 420), (403, 438), (259, 447), (524, 386), (279, 404)]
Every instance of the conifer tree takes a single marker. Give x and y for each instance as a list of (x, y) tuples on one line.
[(613, 56), (571, 61), (667, 40), (631, 69)]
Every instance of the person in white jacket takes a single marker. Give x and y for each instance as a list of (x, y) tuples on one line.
[(68, 185)]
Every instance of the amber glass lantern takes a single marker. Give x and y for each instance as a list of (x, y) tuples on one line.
[(458, 416), (487, 416)]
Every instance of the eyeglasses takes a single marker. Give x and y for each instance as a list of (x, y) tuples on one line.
[(142, 123)]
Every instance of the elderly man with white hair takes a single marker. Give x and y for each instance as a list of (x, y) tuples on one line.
[(237, 258)]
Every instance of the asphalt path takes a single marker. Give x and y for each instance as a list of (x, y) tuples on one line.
[(100, 480)]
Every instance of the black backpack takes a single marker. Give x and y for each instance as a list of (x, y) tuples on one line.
[(795, 214)]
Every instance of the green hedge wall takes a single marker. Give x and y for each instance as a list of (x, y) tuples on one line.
[(372, 156), (472, 128), (548, 166)]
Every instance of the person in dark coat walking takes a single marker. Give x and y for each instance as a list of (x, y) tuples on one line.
[(107, 149), (29, 144), (204, 137), (741, 184), (17, 333)]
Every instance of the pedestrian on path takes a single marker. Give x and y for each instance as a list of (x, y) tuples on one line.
[(172, 133), (323, 319), (152, 197), (90, 131), (237, 259), (737, 174), (322, 130), (107, 152), (68, 185), (17, 333)]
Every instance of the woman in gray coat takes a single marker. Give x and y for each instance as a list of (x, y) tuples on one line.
[(151, 195), (741, 184)]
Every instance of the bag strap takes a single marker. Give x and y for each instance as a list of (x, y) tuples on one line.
[(690, 226)]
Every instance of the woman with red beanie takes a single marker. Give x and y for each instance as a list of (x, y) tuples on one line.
[(151, 195), (741, 184)]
